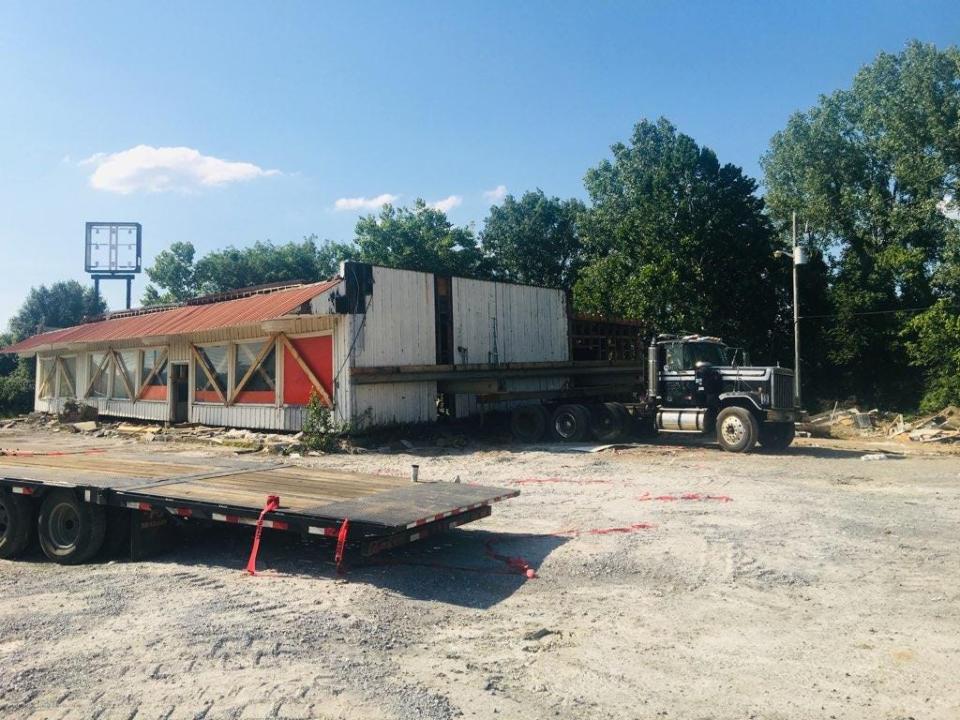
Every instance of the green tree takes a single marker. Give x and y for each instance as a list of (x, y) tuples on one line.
[(172, 276), (872, 169), (179, 276), (60, 305), (681, 241), (535, 239), (418, 238)]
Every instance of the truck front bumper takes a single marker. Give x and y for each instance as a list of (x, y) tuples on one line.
[(782, 416)]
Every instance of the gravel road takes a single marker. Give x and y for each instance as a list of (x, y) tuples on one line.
[(673, 581)]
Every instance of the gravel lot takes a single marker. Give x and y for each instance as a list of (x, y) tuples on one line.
[(674, 581)]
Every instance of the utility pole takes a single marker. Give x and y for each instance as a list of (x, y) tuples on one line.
[(797, 260)]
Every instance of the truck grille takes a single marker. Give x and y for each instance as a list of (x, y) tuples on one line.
[(782, 390)]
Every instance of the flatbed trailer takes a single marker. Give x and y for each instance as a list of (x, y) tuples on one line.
[(78, 500)]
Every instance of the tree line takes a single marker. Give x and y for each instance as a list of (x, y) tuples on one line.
[(672, 236)]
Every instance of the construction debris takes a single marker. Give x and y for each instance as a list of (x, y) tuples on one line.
[(943, 426)]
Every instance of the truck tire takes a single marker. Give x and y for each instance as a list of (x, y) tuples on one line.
[(528, 423), (570, 423), (737, 429), (71, 531), (777, 436), (16, 524), (607, 421)]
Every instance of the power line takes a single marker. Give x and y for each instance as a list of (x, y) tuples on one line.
[(867, 312)]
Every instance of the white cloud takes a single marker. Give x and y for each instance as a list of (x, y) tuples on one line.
[(447, 204), (497, 194), (365, 203), (159, 169)]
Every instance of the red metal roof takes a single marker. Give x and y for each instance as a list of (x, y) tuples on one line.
[(182, 320)]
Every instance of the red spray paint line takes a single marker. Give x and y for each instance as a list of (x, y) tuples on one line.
[(685, 496)]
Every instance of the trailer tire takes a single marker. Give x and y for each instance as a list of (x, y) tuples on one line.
[(607, 421), (16, 524), (71, 531), (528, 423), (777, 436), (570, 423), (737, 429)]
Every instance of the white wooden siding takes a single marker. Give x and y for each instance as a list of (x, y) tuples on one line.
[(501, 322), (505, 323), (398, 329)]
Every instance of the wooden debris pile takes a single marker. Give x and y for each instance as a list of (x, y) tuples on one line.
[(943, 426)]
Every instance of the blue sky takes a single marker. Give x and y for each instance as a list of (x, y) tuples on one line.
[(227, 123)]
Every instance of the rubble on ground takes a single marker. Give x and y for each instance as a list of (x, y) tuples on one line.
[(844, 423), (244, 441)]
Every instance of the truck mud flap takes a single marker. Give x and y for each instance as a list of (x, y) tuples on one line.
[(152, 532)]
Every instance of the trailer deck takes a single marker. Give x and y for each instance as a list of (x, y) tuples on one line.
[(382, 511)]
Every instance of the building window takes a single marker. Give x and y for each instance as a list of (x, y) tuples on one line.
[(46, 378), (99, 375), (124, 374), (154, 374), (255, 372), (67, 367), (214, 376)]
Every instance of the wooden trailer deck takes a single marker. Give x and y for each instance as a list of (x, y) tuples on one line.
[(312, 501)]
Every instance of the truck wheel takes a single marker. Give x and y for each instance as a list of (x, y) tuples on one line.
[(16, 524), (737, 429), (606, 421), (528, 423), (570, 423), (71, 531), (777, 436)]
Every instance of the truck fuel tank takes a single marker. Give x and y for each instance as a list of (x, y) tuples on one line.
[(691, 419)]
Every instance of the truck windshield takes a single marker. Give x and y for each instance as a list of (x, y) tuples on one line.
[(710, 352)]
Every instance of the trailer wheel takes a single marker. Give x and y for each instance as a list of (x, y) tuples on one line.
[(71, 531), (570, 423), (16, 524), (607, 421), (737, 429), (528, 423), (777, 436)]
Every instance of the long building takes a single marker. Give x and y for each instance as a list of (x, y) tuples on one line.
[(252, 358)]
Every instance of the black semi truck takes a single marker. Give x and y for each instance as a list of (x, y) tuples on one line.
[(689, 383)]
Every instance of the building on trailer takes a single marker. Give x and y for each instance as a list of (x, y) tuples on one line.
[(252, 358)]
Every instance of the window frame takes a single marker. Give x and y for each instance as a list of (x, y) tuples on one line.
[(47, 381), (269, 343), (61, 374), (143, 375), (197, 357)]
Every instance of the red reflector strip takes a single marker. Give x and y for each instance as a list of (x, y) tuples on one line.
[(182, 512), (139, 506), (22, 490), (325, 531)]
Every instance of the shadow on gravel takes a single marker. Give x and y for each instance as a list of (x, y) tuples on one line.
[(468, 568)]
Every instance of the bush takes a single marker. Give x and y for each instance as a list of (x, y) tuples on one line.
[(16, 391), (321, 430)]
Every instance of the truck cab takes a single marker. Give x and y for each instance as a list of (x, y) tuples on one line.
[(700, 384)]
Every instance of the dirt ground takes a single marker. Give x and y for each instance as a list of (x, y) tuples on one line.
[(673, 581)]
